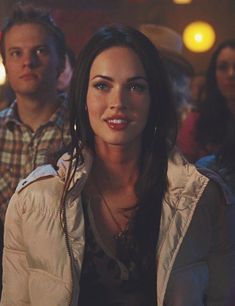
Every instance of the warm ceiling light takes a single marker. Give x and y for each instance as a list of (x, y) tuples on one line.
[(182, 1), (199, 36), (2, 73)]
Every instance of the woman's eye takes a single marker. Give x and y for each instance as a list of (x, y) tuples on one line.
[(222, 67), (101, 86), (137, 87)]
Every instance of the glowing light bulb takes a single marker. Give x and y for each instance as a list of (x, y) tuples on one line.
[(199, 36)]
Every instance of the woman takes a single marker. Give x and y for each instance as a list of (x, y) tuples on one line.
[(125, 221), (217, 112), (210, 127)]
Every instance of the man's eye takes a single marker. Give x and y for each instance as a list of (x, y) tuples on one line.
[(40, 51), (101, 86), (137, 87), (15, 53)]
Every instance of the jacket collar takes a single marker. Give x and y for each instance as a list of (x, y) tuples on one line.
[(45, 171), (39, 173)]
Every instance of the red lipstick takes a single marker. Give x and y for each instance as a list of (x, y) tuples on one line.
[(117, 122)]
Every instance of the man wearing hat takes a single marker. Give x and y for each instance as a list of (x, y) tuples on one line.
[(169, 44)]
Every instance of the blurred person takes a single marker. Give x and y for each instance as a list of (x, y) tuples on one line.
[(180, 70), (217, 112), (197, 89), (186, 136), (35, 125), (66, 75), (123, 219)]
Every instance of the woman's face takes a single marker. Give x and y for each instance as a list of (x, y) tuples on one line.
[(225, 75), (118, 97)]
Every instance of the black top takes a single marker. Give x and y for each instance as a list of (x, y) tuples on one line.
[(105, 280)]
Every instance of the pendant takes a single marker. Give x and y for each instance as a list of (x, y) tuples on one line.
[(122, 246), (121, 236)]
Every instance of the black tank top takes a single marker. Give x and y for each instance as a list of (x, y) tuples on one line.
[(105, 280)]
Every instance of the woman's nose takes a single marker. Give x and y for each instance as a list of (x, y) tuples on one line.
[(118, 99)]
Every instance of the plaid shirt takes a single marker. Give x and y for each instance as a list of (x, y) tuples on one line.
[(22, 150)]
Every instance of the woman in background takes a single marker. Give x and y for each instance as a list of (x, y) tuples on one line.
[(217, 111), (210, 127), (124, 220)]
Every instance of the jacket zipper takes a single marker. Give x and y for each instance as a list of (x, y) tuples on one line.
[(69, 252)]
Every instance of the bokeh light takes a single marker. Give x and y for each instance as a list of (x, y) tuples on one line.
[(199, 36), (2, 73), (182, 1)]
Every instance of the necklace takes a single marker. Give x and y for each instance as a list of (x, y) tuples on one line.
[(121, 236)]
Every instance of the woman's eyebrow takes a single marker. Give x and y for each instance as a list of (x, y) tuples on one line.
[(134, 78), (138, 77), (103, 77)]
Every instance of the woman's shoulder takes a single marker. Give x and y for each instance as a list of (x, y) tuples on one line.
[(40, 190), (41, 173), (181, 172)]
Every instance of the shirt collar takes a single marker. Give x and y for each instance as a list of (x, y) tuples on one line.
[(10, 114), (61, 114), (58, 118)]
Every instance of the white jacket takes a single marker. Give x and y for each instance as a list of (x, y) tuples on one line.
[(195, 255)]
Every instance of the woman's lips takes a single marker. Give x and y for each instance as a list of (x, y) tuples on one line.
[(117, 123)]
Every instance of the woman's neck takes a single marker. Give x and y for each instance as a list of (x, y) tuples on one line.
[(116, 166)]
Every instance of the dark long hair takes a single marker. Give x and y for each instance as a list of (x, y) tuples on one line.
[(158, 136), (214, 115)]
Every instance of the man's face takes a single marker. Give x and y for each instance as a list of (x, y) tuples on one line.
[(31, 60)]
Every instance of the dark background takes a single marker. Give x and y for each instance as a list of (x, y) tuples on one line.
[(80, 18)]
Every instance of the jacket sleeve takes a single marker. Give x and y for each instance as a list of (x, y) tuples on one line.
[(15, 267), (221, 262), (204, 270)]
